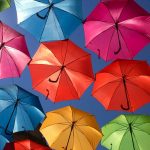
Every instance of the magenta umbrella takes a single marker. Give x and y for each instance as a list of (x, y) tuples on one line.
[(117, 29), (14, 55)]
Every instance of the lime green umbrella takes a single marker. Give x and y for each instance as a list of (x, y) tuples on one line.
[(4, 4), (127, 132)]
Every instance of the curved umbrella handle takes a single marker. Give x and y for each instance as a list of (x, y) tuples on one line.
[(54, 81), (8, 132), (116, 52), (46, 15), (125, 108), (47, 94)]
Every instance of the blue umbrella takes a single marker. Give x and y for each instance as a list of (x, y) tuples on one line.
[(49, 20), (19, 110)]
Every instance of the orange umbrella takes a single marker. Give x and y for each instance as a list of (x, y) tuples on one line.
[(61, 70), (123, 85)]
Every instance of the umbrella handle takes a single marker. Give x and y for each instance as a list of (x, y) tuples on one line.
[(119, 49), (99, 53), (8, 132), (47, 94), (54, 81), (125, 108), (46, 15)]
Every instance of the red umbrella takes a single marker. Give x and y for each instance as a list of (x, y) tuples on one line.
[(14, 55), (25, 145), (61, 70), (123, 85), (117, 29)]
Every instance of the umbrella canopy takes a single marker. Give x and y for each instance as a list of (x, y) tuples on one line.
[(25, 145), (19, 110), (69, 128), (117, 29), (53, 19), (127, 132), (123, 85), (4, 4), (14, 55), (61, 66)]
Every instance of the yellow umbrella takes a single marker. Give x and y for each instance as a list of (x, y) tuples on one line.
[(69, 128)]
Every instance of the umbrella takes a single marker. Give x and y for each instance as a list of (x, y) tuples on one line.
[(61, 66), (25, 145), (123, 85), (19, 110), (35, 136), (4, 4), (53, 19), (69, 128), (117, 29), (14, 55), (127, 132)]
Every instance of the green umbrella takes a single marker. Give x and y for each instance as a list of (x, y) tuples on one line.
[(127, 132), (4, 4)]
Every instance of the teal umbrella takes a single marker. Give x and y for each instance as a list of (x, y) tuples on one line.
[(49, 20), (127, 132)]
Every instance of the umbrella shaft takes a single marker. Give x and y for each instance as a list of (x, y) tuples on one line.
[(11, 117), (131, 132), (70, 135)]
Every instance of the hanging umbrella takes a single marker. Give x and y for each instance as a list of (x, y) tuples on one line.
[(14, 55), (35, 136), (127, 132), (117, 29), (53, 19), (19, 110), (25, 145), (69, 128), (61, 66), (123, 85), (4, 4)]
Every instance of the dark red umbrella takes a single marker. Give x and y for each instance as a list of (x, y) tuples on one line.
[(25, 145)]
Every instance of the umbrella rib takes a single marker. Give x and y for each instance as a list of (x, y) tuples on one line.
[(100, 34), (84, 136), (123, 9), (13, 39), (54, 18), (28, 114), (55, 7), (13, 61), (110, 43), (78, 59), (117, 80), (67, 76), (130, 82), (125, 43), (142, 34), (61, 116), (109, 11), (7, 93)]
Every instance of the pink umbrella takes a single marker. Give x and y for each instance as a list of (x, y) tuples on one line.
[(117, 29), (14, 55)]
